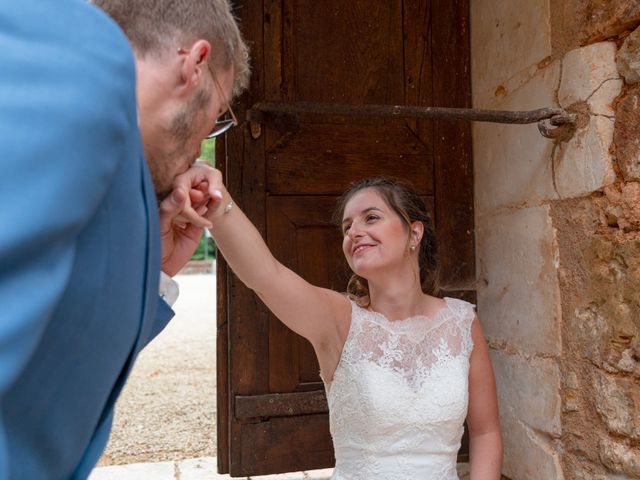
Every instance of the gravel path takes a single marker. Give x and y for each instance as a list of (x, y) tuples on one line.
[(167, 410)]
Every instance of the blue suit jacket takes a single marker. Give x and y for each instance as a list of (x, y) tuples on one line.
[(79, 237)]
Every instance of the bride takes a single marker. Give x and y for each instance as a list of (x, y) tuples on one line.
[(402, 368)]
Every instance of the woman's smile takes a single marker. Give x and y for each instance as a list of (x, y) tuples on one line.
[(361, 248)]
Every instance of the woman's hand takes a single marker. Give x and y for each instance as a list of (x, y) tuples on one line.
[(182, 214)]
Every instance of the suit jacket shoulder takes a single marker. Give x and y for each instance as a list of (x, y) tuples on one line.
[(79, 254)]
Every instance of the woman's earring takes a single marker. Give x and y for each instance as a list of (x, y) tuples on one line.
[(413, 247)]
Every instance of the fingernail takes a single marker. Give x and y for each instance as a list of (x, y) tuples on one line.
[(217, 194), (177, 196)]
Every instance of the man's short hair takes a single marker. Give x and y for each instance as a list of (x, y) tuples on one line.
[(152, 26)]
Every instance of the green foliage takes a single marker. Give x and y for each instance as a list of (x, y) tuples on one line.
[(200, 253), (207, 153)]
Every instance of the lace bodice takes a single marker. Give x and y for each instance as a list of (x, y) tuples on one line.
[(399, 395)]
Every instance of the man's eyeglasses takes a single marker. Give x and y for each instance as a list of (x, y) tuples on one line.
[(224, 124), (221, 125)]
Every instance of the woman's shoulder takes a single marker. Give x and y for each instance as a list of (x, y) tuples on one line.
[(461, 308), (458, 303)]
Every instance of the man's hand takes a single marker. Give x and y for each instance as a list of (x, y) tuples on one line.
[(178, 240), (204, 185), (181, 214)]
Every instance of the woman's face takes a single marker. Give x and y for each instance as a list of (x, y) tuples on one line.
[(375, 237)]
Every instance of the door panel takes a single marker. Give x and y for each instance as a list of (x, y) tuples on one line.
[(334, 51), (323, 158), (286, 174), (266, 446), (303, 237)]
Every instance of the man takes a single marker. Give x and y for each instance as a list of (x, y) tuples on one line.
[(80, 250), (190, 61)]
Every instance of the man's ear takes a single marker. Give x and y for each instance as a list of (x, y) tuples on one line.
[(194, 66)]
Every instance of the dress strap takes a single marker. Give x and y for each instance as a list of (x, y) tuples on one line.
[(357, 312), (465, 313)]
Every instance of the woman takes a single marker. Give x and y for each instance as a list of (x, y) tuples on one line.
[(402, 368)]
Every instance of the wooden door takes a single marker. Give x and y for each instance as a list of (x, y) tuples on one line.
[(287, 173)]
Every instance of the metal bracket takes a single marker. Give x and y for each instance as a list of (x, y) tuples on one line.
[(554, 123)]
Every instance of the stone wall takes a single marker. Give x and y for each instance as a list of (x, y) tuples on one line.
[(599, 258), (557, 235), (599, 245), (516, 246)]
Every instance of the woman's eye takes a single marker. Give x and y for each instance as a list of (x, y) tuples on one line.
[(371, 218), (345, 229)]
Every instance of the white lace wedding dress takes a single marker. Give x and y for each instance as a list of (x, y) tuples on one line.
[(399, 395)]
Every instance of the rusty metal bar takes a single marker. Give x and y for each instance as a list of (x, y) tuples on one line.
[(408, 111), (554, 118)]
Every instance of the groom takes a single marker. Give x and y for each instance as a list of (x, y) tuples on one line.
[(82, 170)]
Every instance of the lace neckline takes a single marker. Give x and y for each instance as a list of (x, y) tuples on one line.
[(407, 323)]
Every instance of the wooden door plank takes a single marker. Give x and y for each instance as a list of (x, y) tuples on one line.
[(452, 140), (348, 52), (222, 349), (280, 405), (418, 68), (319, 173), (273, 51), (296, 225), (453, 152), (285, 442), (241, 312)]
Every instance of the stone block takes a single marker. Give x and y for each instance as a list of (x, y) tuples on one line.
[(508, 38), (281, 476), (202, 468), (627, 135), (604, 340), (591, 333), (135, 471), (601, 101), (570, 393), (530, 388), (584, 164), (620, 458), (606, 327), (585, 70), (527, 454), (619, 208), (628, 60), (607, 19), (590, 75), (581, 474), (615, 405), (512, 163), (324, 474), (584, 473), (518, 291)]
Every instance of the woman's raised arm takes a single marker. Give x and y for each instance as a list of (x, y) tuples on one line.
[(313, 312)]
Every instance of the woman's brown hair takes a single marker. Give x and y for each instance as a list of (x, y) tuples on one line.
[(403, 199)]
